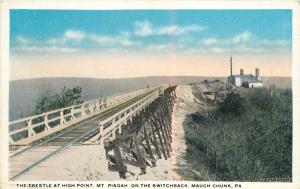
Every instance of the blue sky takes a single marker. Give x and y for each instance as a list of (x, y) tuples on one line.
[(186, 32), (94, 30)]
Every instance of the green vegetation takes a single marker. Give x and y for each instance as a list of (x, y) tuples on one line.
[(245, 138), (65, 98), (46, 102)]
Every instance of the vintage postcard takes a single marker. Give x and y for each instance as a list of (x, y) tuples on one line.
[(149, 94)]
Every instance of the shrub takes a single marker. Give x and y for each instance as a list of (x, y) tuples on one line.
[(233, 104), (65, 98), (252, 143)]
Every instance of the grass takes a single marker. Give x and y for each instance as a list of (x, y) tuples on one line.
[(246, 138)]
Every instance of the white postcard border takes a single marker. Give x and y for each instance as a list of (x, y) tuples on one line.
[(119, 5)]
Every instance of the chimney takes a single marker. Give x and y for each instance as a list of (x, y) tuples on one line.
[(257, 73), (241, 71), (230, 65)]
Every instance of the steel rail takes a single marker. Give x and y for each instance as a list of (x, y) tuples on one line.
[(62, 132), (54, 152), (76, 139), (86, 110)]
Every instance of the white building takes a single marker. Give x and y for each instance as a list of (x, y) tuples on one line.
[(248, 81)]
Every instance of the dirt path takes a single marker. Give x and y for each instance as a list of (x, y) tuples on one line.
[(184, 105)]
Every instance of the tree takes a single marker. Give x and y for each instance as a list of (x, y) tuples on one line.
[(67, 97), (233, 104)]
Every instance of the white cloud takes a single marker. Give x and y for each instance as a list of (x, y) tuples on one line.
[(242, 37), (70, 40), (74, 35), (56, 41), (178, 30), (69, 36), (145, 28), (268, 42), (209, 41), (128, 42), (23, 40), (46, 46), (101, 39), (113, 40), (249, 50), (218, 50), (48, 49)]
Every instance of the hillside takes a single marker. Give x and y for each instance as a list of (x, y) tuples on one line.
[(245, 137), (279, 82), (24, 93)]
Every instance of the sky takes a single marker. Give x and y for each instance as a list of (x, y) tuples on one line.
[(133, 43)]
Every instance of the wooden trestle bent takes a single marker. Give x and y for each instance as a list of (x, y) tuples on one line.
[(144, 138)]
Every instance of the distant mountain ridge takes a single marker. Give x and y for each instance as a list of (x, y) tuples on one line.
[(23, 94)]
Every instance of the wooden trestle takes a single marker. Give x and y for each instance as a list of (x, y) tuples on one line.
[(145, 138)]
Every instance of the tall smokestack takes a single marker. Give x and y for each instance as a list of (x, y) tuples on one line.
[(257, 73), (231, 65)]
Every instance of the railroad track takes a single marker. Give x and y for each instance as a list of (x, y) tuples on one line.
[(22, 161)]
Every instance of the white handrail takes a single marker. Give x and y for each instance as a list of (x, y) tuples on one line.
[(75, 113), (117, 120)]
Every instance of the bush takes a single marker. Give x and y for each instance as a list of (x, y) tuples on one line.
[(233, 104), (261, 99), (252, 143), (65, 98)]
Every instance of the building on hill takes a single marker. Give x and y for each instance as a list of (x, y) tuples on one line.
[(242, 80)]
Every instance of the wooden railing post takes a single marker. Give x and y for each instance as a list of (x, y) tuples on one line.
[(83, 113), (64, 115), (46, 122), (30, 128), (98, 105), (120, 126), (11, 141), (62, 119), (72, 113), (114, 128), (101, 105)]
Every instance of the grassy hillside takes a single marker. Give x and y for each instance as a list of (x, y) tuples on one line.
[(245, 138)]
